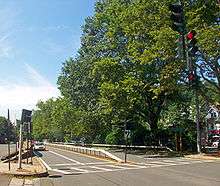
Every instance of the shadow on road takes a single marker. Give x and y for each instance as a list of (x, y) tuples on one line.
[(37, 153)]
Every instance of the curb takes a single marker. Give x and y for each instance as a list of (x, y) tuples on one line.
[(43, 173), (202, 157)]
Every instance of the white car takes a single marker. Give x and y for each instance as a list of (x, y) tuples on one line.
[(39, 146)]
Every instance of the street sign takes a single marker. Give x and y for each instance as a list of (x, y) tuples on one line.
[(26, 115)]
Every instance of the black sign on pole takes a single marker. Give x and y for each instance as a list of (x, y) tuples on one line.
[(26, 116)]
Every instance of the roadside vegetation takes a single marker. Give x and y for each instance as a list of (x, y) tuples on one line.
[(126, 72), (7, 130)]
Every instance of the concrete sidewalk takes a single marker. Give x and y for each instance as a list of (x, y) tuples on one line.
[(204, 156), (36, 169)]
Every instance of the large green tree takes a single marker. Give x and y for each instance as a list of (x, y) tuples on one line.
[(126, 68)]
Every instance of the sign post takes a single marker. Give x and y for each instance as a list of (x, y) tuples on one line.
[(25, 119)]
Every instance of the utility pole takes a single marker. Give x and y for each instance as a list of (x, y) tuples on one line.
[(20, 147), (9, 154), (198, 138), (126, 140)]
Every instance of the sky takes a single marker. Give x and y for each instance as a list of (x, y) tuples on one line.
[(36, 37)]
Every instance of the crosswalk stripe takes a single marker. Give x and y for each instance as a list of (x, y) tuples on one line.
[(98, 163), (116, 166), (160, 162), (66, 157), (78, 169), (135, 165), (100, 168), (61, 171), (176, 162), (107, 167), (63, 164)]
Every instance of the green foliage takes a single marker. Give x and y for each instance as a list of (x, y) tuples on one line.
[(115, 137), (126, 70), (6, 130)]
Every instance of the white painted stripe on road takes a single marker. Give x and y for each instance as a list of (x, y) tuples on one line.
[(78, 169), (61, 171), (98, 163), (208, 161), (176, 162), (100, 168), (169, 161), (63, 164), (44, 163), (160, 163), (66, 158), (136, 166), (117, 167)]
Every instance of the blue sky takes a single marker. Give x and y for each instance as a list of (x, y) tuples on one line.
[(36, 37)]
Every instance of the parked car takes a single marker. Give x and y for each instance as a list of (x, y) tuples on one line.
[(39, 146), (215, 141)]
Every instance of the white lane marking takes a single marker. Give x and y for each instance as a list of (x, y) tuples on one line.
[(117, 167), (100, 168), (208, 161), (45, 164), (71, 164), (169, 161), (61, 171), (160, 163), (78, 169), (66, 158), (176, 162), (98, 163), (82, 170), (137, 166), (63, 164)]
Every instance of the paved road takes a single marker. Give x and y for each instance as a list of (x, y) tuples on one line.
[(4, 149), (4, 179), (69, 168)]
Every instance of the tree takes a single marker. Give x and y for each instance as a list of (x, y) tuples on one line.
[(126, 67), (126, 64), (6, 130)]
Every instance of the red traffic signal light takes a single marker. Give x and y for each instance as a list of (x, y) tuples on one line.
[(192, 48), (191, 35), (191, 77)]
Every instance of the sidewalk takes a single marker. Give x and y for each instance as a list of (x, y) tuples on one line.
[(204, 156), (36, 170)]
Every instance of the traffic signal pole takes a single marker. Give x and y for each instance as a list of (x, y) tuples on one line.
[(179, 25), (198, 138)]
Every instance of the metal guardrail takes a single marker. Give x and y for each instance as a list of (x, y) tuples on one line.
[(85, 150)]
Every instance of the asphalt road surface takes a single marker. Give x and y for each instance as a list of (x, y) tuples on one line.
[(4, 179), (68, 168), (4, 149)]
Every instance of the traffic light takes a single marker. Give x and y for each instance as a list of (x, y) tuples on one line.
[(192, 77), (177, 17), (192, 48)]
